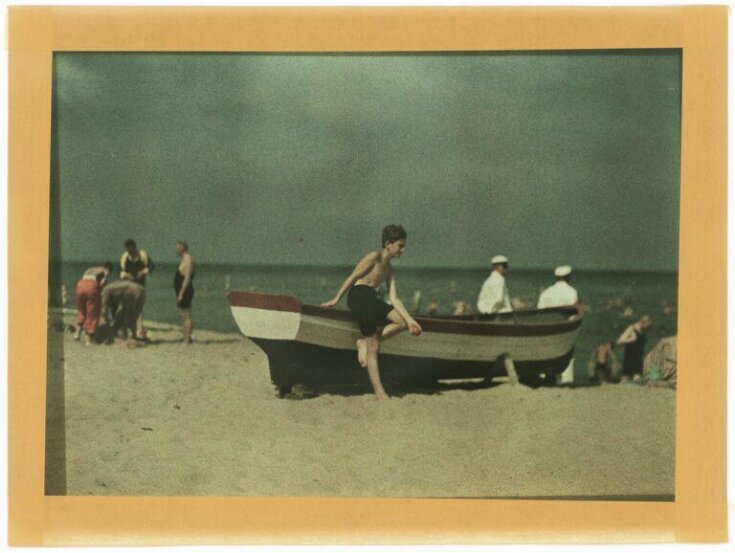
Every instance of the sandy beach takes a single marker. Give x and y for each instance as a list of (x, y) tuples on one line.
[(167, 419)]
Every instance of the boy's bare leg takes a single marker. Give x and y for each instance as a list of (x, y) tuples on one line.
[(373, 347), (361, 345), (396, 326)]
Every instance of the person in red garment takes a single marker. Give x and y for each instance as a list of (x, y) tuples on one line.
[(88, 300)]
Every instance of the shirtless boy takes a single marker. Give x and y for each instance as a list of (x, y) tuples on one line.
[(377, 320)]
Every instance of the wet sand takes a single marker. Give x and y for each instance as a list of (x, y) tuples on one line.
[(167, 419)]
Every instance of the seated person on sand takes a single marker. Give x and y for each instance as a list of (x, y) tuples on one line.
[(122, 303), (659, 367), (88, 300), (603, 366), (377, 320)]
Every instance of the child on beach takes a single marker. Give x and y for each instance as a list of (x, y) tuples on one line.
[(377, 320)]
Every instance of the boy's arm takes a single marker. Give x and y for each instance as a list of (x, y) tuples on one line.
[(413, 327), (364, 266)]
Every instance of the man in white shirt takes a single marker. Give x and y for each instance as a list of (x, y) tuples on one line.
[(559, 295), (494, 293)]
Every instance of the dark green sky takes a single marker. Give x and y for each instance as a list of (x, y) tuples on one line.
[(548, 158)]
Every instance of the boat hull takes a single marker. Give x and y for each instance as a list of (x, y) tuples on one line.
[(327, 369), (315, 346)]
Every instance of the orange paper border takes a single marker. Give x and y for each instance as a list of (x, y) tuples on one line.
[(699, 512)]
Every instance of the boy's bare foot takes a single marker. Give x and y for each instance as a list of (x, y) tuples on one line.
[(382, 396), (361, 352)]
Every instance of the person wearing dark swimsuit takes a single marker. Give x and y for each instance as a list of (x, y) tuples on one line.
[(634, 340), (377, 320), (184, 288), (136, 265)]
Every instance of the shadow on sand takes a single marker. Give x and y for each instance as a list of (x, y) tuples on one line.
[(394, 388), (403, 388), (160, 341)]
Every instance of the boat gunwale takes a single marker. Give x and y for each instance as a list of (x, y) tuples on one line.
[(447, 325)]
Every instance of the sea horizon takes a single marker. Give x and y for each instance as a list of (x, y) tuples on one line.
[(397, 265)]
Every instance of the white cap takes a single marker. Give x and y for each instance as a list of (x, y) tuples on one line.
[(562, 271), (499, 259)]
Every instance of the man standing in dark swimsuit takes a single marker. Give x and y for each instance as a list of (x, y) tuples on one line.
[(135, 265), (634, 340), (184, 288)]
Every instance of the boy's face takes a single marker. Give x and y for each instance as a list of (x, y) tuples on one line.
[(396, 249)]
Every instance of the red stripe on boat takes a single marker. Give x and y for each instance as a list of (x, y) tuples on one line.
[(264, 301)]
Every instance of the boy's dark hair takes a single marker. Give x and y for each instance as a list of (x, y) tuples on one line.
[(130, 243), (393, 233), (107, 265), (183, 245)]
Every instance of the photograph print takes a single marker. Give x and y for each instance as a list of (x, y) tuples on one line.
[(425, 275)]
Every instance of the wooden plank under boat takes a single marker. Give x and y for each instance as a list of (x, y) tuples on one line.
[(315, 346)]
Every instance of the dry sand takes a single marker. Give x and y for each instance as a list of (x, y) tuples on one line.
[(167, 419)]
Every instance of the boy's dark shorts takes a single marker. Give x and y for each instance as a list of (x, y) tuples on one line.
[(367, 310)]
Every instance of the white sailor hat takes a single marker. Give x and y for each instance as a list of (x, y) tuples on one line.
[(562, 271), (499, 259)]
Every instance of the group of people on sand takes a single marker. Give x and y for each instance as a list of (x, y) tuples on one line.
[(604, 365), (120, 303), (379, 321)]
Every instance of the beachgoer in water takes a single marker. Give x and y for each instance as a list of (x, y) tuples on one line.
[(461, 307), (88, 300), (377, 320), (433, 308), (634, 340), (603, 365), (184, 288), (135, 266), (122, 303), (559, 295), (494, 296)]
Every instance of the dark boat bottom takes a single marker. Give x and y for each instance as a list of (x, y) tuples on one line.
[(314, 369)]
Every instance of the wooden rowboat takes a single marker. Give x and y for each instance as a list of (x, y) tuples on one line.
[(315, 346)]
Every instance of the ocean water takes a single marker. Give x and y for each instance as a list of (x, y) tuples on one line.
[(608, 294)]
